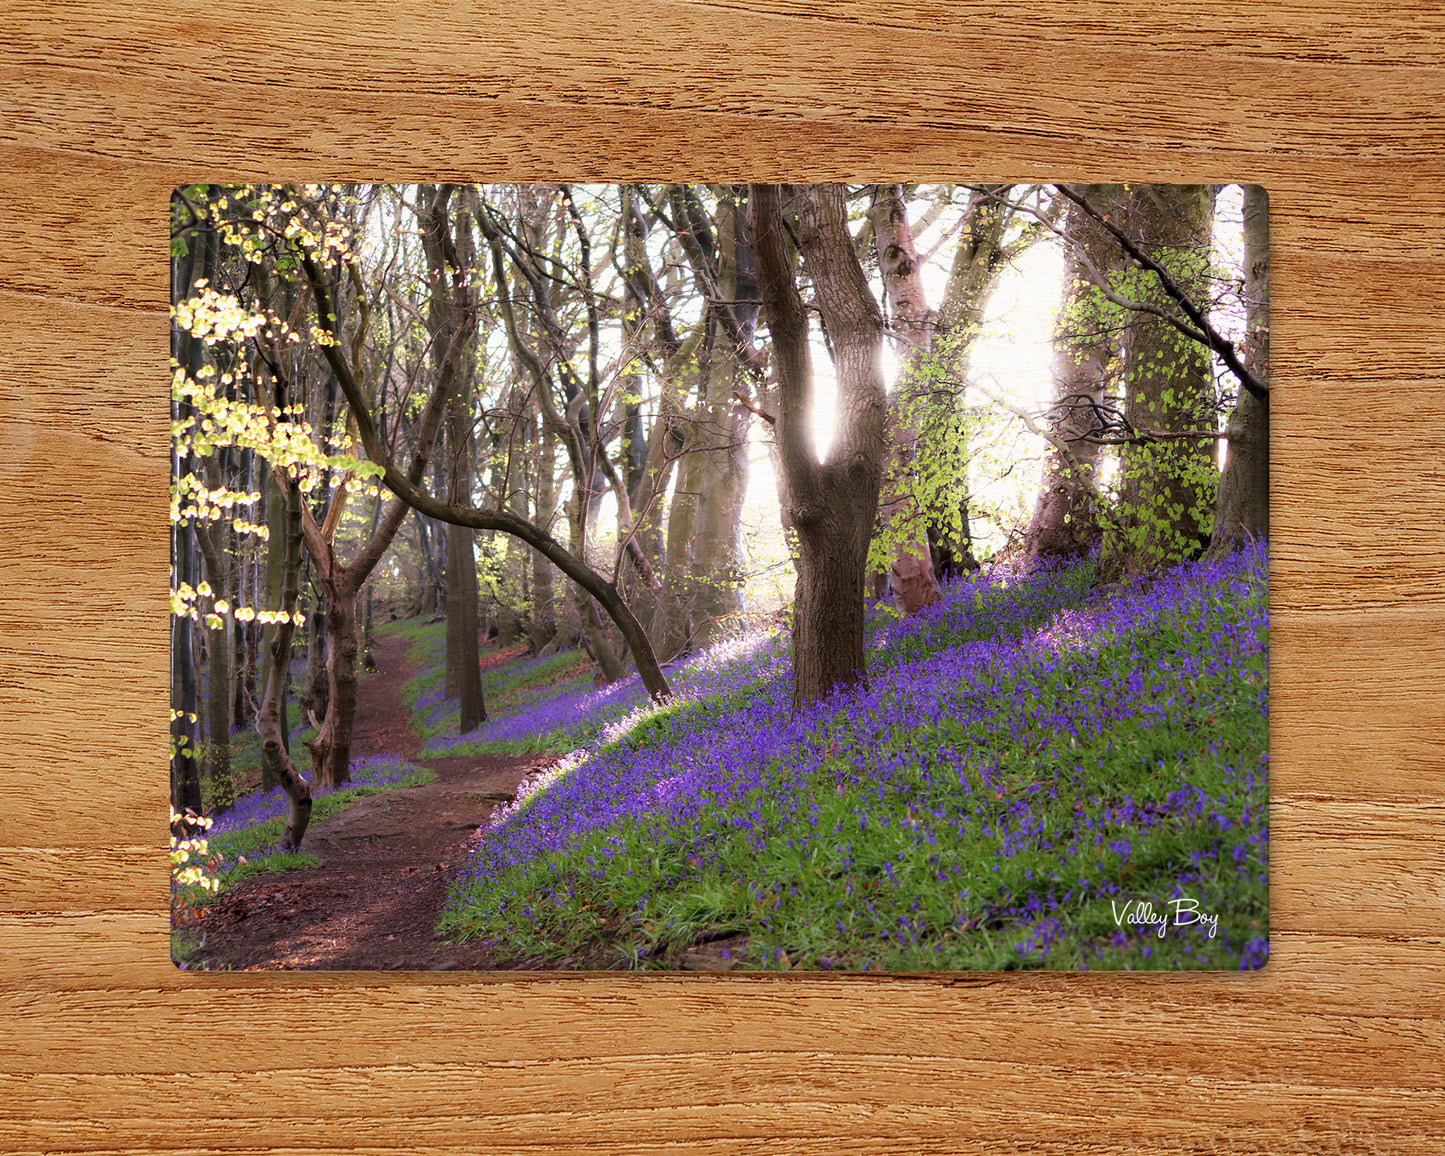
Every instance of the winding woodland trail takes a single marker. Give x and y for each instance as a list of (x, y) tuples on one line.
[(373, 902)]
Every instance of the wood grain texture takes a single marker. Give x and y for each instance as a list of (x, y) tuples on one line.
[(1336, 108)]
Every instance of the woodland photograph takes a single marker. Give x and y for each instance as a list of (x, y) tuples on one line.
[(711, 578)]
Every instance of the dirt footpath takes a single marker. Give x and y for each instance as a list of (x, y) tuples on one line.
[(375, 898)]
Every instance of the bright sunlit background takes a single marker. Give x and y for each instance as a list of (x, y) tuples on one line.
[(1011, 360)]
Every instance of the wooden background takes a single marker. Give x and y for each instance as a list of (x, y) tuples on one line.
[(1336, 108)]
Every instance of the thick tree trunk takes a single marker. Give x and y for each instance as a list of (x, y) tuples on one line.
[(979, 260), (1243, 510), (832, 503), (1167, 488), (315, 699), (716, 550)]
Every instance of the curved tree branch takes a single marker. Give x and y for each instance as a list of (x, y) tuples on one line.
[(403, 486)]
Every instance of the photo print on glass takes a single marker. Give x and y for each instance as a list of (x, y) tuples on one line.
[(706, 577)]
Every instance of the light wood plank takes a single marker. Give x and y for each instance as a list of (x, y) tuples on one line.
[(1335, 107)]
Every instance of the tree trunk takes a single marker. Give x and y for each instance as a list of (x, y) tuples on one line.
[(185, 702), (210, 538), (276, 764), (716, 550), (242, 635), (218, 708), (463, 654), (1167, 489), (315, 699), (331, 748), (981, 256), (904, 529), (544, 608), (450, 315), (671, 628), (1065, 522), (1243, 510), (636, 459), (831, 503), (278, 527), (716, 562), (432, 576), (185, 774)]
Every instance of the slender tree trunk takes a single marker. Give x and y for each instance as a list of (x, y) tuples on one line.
[(544, 609), (716, 547), (316, 697), (278, 527), (1243, 510), (210, 538), (276, 763), (1065, 522), (671, 628), (185, 703), (450, 315), (636, 459), (904, 527), (431, 575), (243, 685), (218, 707), (515, 595), (185, 774)]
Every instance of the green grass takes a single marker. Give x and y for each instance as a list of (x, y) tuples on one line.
[(506, 687), (259, 838), (991, 837)]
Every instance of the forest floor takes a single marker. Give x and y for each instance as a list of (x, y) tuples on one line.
[(373, 902)]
